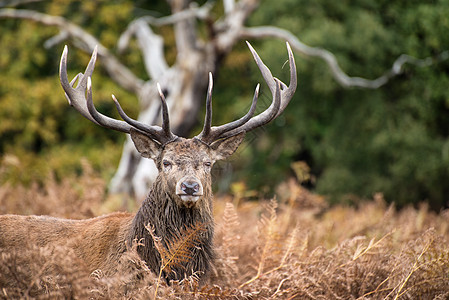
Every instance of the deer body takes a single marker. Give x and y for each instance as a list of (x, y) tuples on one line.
[(98, 242), (180, 198), (101, 241)]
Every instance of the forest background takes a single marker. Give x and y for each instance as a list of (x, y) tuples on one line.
[(344, 143)]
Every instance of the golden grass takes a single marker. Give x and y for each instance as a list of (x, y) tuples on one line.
[(292, 247)]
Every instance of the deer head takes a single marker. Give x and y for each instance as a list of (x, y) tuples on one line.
[(184, 164)]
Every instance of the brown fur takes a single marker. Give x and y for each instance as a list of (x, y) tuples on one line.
[(100, 242)]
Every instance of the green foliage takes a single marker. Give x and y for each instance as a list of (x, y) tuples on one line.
[(392, 140), (39, 131)]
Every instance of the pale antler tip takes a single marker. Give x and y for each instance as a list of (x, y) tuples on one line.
[(289, 50), (95, 52), (113, 98), (257, 89), (159, 89), (249, 46), (89, 83), (254, 53), (211, 82), (63, 64)]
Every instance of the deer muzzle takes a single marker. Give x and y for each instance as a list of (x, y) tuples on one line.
[(189, 189)]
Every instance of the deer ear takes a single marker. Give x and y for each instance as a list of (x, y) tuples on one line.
[(227, 146), (146, 146)]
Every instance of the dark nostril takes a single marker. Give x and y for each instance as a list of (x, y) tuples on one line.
[(190, 187)]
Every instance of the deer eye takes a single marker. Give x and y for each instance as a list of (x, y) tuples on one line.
[(166, 164), (207, 164)]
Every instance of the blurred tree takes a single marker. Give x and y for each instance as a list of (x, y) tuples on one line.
[(359, 136)]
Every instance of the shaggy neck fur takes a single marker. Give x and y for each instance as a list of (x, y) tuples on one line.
[(160, 212)]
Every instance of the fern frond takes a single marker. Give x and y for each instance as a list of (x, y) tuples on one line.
[(190, 287), (178, 250), (231, 224), (230, 237), (270, 240)]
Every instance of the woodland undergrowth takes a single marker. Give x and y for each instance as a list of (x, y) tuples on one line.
[(291, 247)]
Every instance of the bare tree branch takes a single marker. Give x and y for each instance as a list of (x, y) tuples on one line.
[(228, 29), (14, 3), (185, 32), (116, 70), (193, 11), (151, 46), (57, 39), (228, 6), (340, 76)]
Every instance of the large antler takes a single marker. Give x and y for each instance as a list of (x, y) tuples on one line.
[(282, 95), (84, 105)]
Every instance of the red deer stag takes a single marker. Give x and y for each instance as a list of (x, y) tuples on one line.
[(179, 199)]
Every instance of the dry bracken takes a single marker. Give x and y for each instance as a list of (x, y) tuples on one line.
[(274, 249)]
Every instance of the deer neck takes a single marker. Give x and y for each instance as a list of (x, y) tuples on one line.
[(168, 220)]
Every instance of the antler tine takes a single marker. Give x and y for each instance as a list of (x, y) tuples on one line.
[(151, 130), (77, 96), (210, 134), (282, 95), (72, 83), (237, 123), (261, 119), (162, 135), (69, 91), (80, 97), (208, 116), (286, 92), (165, 118)]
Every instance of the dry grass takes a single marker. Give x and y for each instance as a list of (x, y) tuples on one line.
[(290, 248)]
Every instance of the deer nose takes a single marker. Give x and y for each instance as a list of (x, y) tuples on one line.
[(190, 187)]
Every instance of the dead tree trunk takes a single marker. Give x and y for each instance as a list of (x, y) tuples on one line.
[(185, 82)]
